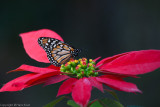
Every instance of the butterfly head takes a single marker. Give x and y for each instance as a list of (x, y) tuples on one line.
[(75, 52)]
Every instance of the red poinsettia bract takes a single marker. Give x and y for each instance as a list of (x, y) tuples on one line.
[(80, 80)]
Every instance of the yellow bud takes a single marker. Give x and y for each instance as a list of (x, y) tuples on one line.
[(90, 64), (90, 60), (84, 59), (76, 61), (80, 59), (69, 63), (81, 62), (79, 66)]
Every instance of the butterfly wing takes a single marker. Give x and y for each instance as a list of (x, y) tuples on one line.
[(57, 51), (61, 54)]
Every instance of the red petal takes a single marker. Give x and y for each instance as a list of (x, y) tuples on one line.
[(96, 59), (118, 83), (17, 84), (81, 92), (38, 77), (96, 83), (54, 67), (32, 47), (67, 86), (56, 79), (27, 81), (39, 81), (109, 59), (135, 62), (117, 74), (33, 69)]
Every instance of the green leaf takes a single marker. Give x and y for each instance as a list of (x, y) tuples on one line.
[(110, 103), (96, 104), (53, 103), (72, 103), (112, 93)]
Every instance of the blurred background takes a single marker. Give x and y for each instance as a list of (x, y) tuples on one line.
[(98, 27)]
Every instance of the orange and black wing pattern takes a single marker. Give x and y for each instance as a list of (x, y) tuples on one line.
[(57, 51)]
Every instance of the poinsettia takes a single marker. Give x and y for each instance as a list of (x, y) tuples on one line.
[(82, 74)]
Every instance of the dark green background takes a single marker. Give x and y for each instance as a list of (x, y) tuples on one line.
[(98, 27)]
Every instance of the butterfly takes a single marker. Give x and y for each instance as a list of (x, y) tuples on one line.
[(57, 51)]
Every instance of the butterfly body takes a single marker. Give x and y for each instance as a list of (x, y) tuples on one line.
[(57, 51)]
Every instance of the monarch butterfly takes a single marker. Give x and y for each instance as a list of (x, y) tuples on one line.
[(57, 51)]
